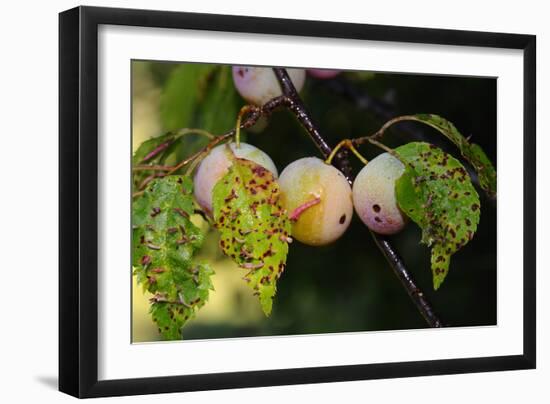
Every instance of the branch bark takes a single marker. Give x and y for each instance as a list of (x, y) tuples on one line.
[(296, 105)]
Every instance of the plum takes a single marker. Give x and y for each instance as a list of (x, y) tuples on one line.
[(216, 164), (374, 195), (257, 85), (323, 73), (318, 199)]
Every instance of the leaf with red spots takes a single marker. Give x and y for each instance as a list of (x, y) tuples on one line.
[(472, 152), (164, 243), (152, 151), (436, 192), (254, 228)]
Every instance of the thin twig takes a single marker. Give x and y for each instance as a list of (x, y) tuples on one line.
[(253, 117), (151, 168), (380, 132), (396, 263)]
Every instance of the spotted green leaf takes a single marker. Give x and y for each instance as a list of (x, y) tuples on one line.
[(254, 228), (436, 192), (472, 152), (164, 243), (153, 150)]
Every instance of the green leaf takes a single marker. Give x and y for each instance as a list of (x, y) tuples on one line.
[(183, 90), (152, 150), (254, 228), (472, 152), (485, 170), (199, 96), (436, 192), (221, 103), (164, 243), (171, 316), (144, 152)]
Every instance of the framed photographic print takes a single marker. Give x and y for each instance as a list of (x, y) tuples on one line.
[(253, 201)]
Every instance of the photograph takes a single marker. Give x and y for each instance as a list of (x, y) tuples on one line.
[(272, 201)]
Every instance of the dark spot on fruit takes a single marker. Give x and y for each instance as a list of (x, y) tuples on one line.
[(342, 219), (377, 219), (475, 207), (376, 208)]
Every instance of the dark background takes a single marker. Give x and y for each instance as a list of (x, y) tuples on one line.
[(348, 286)]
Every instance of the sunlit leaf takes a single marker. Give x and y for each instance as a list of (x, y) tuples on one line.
[(164, 243), (254, 228)]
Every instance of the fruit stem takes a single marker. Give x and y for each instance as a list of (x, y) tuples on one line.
[(188, 131), (244, 110), (349, 145)]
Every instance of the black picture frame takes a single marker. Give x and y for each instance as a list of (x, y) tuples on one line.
[(78, 201)]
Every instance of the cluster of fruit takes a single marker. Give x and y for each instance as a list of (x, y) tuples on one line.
[(317, 196)]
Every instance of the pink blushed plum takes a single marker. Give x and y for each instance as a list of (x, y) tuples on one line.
[(374, 195), (216, 164), (257, 85), (323, 73)]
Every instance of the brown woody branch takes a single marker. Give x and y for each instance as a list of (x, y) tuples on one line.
[(293, 101)]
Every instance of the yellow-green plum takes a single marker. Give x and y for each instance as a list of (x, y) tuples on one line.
[(257, 85), (374, 195), (216, 164), (318, 200)]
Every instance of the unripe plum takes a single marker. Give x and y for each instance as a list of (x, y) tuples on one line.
[(318, 200), (374, 195), (216, 164), (323, 73), (257, 85)]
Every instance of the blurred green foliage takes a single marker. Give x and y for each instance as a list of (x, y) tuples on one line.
[(346, 286)]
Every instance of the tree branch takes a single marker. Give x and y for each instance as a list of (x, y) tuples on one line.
[(296, 105)]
